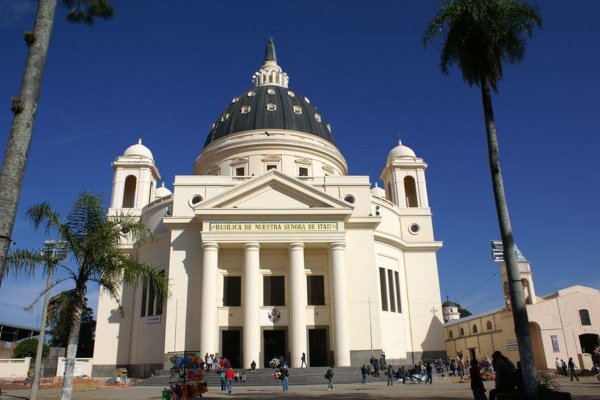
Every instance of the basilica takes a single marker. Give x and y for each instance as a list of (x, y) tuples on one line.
[(272, 250)]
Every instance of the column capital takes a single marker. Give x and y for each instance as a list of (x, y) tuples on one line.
[(296, 246), (210, 246), (251, 246), (337, 245)]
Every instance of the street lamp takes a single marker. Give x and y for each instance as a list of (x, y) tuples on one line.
[(53, 252)]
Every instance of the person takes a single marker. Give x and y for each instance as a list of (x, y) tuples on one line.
[(563, 365), (476, 382), (505, 375), (229, 377), (389, 372), (364, 371), (243, 376), (558, 367), (222, 379), (402, 374), (383, 356), (376, 368), (572, 368), (283, 375), (303, 360), (252, 366), (329, 376), (429, 371)]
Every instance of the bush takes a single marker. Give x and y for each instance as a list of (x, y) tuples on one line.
[(28, 348)]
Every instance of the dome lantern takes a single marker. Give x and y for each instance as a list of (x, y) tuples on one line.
[(270, 73)]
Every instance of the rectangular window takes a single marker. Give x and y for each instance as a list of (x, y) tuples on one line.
[(316, 290), (240, 171), (274, 291), (383, 287), (232, 291), (584, 315), (302, 171), (390, 277), (159, 298), (144, 298), (398, 300), (151, 296)]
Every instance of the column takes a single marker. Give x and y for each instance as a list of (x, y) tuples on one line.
[(251, 303), (208, 302), (298, 302), (339, 299)]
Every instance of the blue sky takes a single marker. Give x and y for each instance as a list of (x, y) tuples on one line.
[(167, 72)]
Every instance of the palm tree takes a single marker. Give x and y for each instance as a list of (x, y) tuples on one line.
[(98, 245), (479, 35), (25, 106)]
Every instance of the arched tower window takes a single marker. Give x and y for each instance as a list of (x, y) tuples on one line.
[(450, 335), (526, 291), (488, 325), (462, 332), (410, 190), (474, 329), (129, 193)]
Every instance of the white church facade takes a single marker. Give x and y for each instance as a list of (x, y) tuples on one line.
[(272, 249)]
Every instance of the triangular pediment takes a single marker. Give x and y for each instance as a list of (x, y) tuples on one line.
[(273, 191)]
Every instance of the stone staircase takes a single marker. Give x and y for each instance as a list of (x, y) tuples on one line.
[(264, 377)]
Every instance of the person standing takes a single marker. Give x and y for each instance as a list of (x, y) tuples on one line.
[(572, 368), (476, 382), (429, 371), (563, 365), (222, 380), (253, 366), (558, 367), (329, 376), (303, 360), (229, 377), (389, 372), (363, 371), (283, 375), (505, 374)]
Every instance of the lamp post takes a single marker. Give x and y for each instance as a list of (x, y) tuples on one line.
[(54, 252)]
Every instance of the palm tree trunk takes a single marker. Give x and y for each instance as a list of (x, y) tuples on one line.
[(517, 297), (67, 390), (24, 107)]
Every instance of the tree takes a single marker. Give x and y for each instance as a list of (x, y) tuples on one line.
[(102, 249), (60, 310), (25, 106), (463, 312), (28, 348), (479, 36)]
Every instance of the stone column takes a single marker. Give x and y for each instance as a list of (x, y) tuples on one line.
[(339, 299), (298, 302), (208, 302), (251, 303)]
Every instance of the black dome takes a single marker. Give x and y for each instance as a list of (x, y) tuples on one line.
[(254, 110)]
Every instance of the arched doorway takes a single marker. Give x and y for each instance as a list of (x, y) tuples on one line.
[(538, 346), (588, 342)]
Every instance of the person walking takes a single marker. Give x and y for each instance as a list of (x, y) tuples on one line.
[(476, 382), (303, 360), (563, 366), (329, 376), (429, 371), (283, 375), (229, 377), (572, 368)]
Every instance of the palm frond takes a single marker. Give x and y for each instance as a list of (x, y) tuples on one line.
[(23, 261)]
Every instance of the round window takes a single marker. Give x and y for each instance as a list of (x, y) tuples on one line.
[(349, 199), (196, 199), (414, 229)]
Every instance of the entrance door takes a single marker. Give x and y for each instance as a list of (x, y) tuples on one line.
[(317, 347), (231, 342), (274, 345)]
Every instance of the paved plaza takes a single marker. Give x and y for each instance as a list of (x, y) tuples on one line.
[(587, 388)]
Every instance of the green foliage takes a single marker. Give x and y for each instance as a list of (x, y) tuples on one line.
[(463, 311), (28, 348), (60, 318), (87, 10), (480, 35)]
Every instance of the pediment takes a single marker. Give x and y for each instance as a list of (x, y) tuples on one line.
[(273, 191)]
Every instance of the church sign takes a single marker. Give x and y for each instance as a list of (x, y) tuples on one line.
[(273, 226)]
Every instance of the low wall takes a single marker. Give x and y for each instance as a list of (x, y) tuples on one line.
[(83, 366), (14, 368)]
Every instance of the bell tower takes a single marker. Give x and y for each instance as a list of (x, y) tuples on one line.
[(134, 182)]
